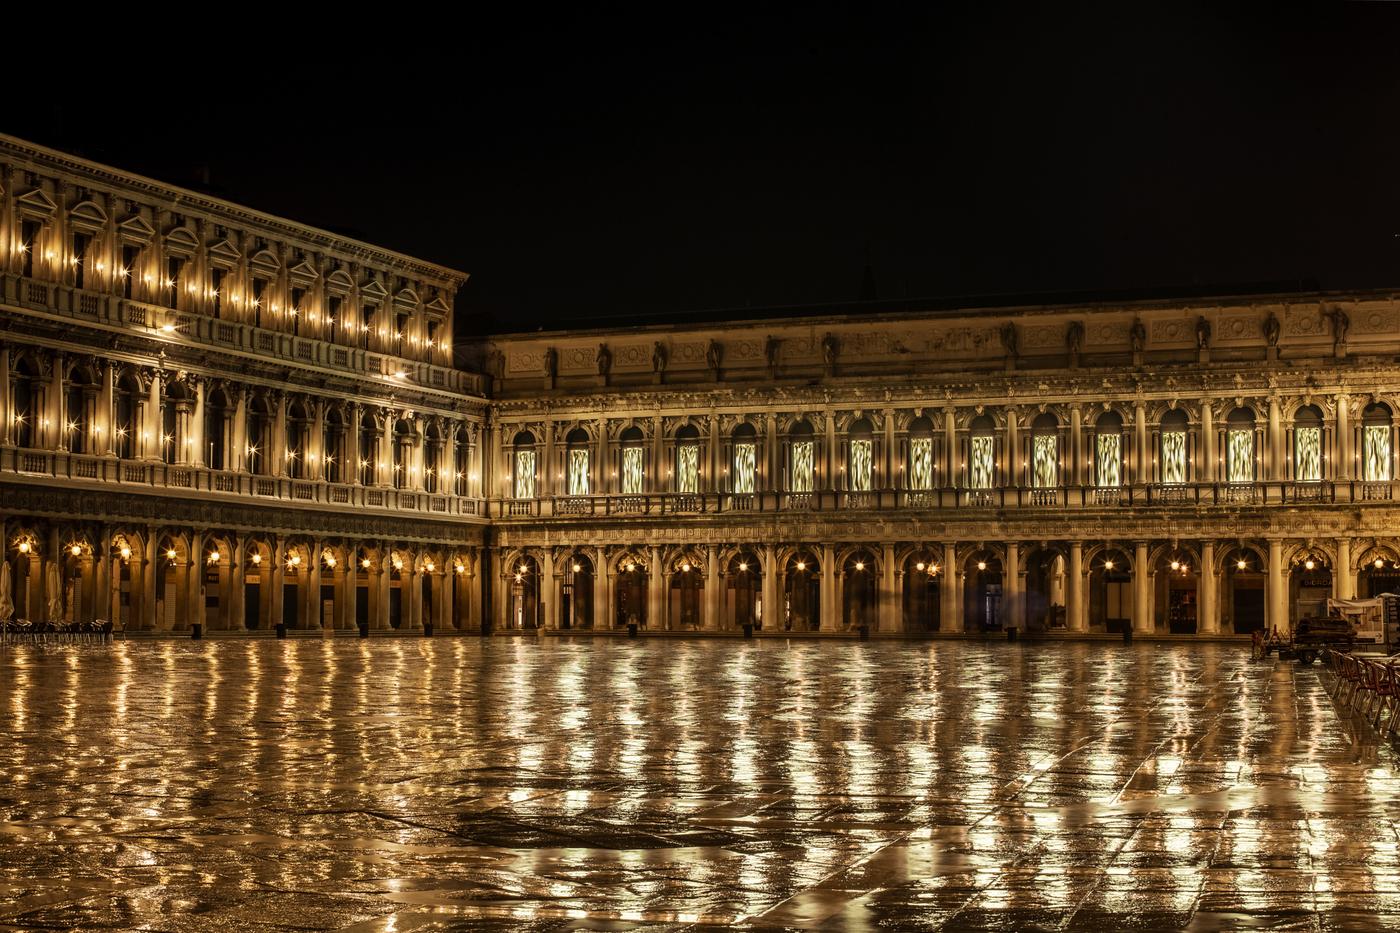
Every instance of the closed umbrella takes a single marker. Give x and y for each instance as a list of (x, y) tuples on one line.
[(7, 602), (55, 596)]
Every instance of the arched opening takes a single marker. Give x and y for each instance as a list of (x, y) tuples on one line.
[(260, 423), (171, 559), (174, 406), (1239, 446), (127, 409), (1045, 588), (218, 414), (981, 458), (743, 591), (1376, 446), (632, 462), (687, 590), (1307, 445), (744, 478), (1108, 451), (399, 566), (1378, 573), (1173, 454), (860, 575), (982, 593), (298, 429), (1045, 451), (434, 474), (1110, 591), (24, 405), (217, 580), (403, 451), (920, 468), (687, 476), (923, 579), (802, 593), (577, 593), (81, 408), (802, 458), (296, 580), (860, 457), (631, 590), (333, 454), (523, 469), (1243, 588), (577, 463), (257, 585), (368, 439), (1177, 591), (1309, 585), (365, 594)]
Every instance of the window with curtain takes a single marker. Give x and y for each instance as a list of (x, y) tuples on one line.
[(745, 463), (1173, 456), (578, 471), (688, 468), (861, 453), (524, 474), (1307, 454), (1240, 466), (1045, 470), (1108, 455), (1375, 442), (633, 471), (921, 463), (803, 464), (983, 471)]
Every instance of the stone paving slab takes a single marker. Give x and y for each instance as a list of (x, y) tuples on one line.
[(605, 784)]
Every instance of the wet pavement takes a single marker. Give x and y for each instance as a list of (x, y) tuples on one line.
[(460, 784)]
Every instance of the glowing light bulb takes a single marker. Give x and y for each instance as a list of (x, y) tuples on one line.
[(1108, 565), (1309, 563), (1240, 564), (257, 559), (24, 547), (364, 562), (743, 567), (1379, 563), (981, 565), (685, 568), (801, 565), (860, 565), (576, 567), (1176, 565), (75, 550), (330, 561), (126, 553), (919, 565), (170, 553), (214, 557)]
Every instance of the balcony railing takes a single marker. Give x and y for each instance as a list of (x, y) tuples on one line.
[(157, 321), (109, 472)]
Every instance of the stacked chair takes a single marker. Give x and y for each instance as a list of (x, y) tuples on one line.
[(22, 631), (1369, 687)]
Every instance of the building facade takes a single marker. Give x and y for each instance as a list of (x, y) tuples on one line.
[(213, 415)]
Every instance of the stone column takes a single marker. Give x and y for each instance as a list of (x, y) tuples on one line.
[(152, 424), (148, 584), (102, 566), (1076, 446), (1275, 471), (602, 609), (350, 590), (1343, 581), (1343, 465), (712, 589), (549, 591), (1013, 451), (950, 618), (1277, 614), (277, 575), (411, 600), (381, 581), (56, 438), (1205, 469), (1142, 462), (950, 449), (196, 428), (278, 447), (313, 585), (5, 403), (194, 581), (891, 619), (237, 597), (106, 411), (656, 583), (1142, 591), (772, 612), (1075, 618), (1207, 592), (830, 611), (1011, 585)]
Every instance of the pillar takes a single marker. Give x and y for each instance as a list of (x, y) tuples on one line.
[(950, 618), (148, 584), (712, 590), (1207, 592), (771, 618), (197, 452), (1343, 464), (106, 411), (1275, 471), (4, 395), (237, 602), (1076, 619), (950, 454), (194, 581), (891, 619), (1141, 456), (1013, 451), (1011, 586), (602, 609), (316, 618), (56, 437), (1076, 446), (102, 567), (151, 423), (549, 590), (1205, 469), (656, 582), (1142, 591), (350, 590), (1277, 611), (276, 577), (831, 612), (1343, 580)]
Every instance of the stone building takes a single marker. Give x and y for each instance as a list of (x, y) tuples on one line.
[(214, 415)]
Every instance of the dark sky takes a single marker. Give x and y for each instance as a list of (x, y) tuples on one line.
[(627, 166)]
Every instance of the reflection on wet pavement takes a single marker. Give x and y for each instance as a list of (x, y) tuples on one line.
[(461, 784)]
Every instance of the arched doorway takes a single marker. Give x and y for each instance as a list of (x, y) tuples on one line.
[(686, 594), (743, 599), (1309, 585), (923, 579), (576, 610), (860, 574), (631, 589), (982, 591), (1177, 590), (523, 585), (1378, 572), (1045, 588), (1243, 587), (802, 592), (1110, 591)]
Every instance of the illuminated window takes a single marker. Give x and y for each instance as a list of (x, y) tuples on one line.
[(578, 471), (861, 453), (1241, 456), (1308, 454), (1109, 460), (1173, 456), (745, 466), (1376, 452), (803, 466), (524, 474), (688, 468), (921, 463), (983, 463), (633, 472), (1046, 472)]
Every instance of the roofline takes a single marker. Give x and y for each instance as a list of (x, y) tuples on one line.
[(941, 308), (217, 204)]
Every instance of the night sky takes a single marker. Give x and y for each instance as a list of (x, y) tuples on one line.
[(631, 168)]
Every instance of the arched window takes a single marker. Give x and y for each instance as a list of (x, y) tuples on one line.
[(1375, 443), (802, 458), (524, 486), (982, 453), (1307, 445), (1239, 446), (1045, 452), (217, 415), (403, 443), (174, 398), (127, 402), (369, 433), (1173, 454), (433, 472), (862, 455), (461, 443), (25, 417), (82, 401), (298, 426), (578, 475), (1108, 451), (259, 436), (333, 447), (745, 459), (633, 461), (920, 453), (688, 459)]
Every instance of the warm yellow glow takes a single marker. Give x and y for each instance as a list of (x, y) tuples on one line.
[(75, 550), (631, 567), (1379, 563), (296, 560), (1240, 564), (801, 565), (24, 547), (432, 567), (257, 558), (576, 568), (170, 553), (1176, 565), (685, 568), (214, 557), (1310, 563), (1108, 565), (125, 553), (330, 561), (460, 568), (982, 565), (743, 567), (860, 565), (364, 562), (919, 565)]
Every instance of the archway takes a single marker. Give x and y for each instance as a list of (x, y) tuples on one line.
[(1045, 587), (802, 593), (1243, 588), (982, 590), (1176, 590), (630, 606), (523, 583), (923, 582), (860, 572), (1378, 572), (1110, 590), (576, 610), (743, 591), (686, 594), (1309, 584)]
